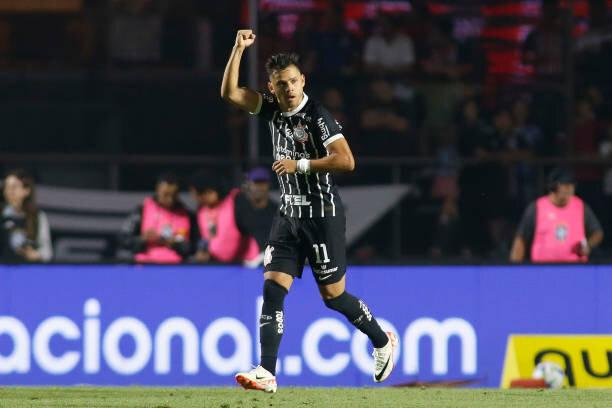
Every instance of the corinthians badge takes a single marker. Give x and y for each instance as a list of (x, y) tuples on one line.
[(299, 133)]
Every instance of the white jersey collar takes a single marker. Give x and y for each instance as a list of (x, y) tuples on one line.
[(299, 108)]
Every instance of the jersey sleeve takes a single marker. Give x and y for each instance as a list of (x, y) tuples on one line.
[(266, 106), (591, 223), (326, 129), (526, 228), (129, 236)]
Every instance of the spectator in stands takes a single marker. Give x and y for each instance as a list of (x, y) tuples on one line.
[(385, 124), (25, 235), (442, 58), (388, 51), (527, 141), (544, 51), (333, 100), (476, 141), (497, 154), (333, 45), (442, 69), (543, 47), (514, 150), (587, 129), (448, 234), (220, 237), (254, 210), (447, 229), (473, 131), (162, 229), (605, 151), (305, 41), (558, 227), (446, 172), (594, 48), (585, 144), (526, 129)]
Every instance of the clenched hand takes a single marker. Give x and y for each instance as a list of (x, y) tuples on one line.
[(285, 166), (245, 38)]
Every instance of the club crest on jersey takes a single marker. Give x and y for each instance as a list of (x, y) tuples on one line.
[(561, 232), (299, 133)]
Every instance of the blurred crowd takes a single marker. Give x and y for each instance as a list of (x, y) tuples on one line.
[(409, 82), (224, 225)]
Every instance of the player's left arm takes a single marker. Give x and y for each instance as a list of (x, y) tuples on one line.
[(339, 159), (328, 132)]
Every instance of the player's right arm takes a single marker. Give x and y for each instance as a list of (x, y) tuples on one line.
[(242, 97)]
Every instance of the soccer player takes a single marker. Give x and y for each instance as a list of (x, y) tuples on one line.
[(307, 146)]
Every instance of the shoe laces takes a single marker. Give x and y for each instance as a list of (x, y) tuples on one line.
[(379, 358)]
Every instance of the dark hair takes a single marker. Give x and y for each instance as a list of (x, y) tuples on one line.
[(168, 178), (203, 180), (281, 61), (29, 206), (560, 175)]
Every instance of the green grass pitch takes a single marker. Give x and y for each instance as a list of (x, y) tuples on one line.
[(138, 397)]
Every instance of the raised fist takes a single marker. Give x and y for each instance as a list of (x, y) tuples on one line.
[(244, 38)]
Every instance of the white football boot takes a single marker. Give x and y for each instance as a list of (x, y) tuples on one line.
[(383, 359), (258, 379)]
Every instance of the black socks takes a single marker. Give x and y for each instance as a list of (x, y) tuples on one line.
[(357, 312), (271, 323)]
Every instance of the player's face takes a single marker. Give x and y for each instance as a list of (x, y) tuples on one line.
[(288, 87), (259, 190), (564, 193), (15, 192), (166, 194)]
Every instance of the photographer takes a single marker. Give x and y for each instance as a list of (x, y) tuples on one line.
[(161, 230)]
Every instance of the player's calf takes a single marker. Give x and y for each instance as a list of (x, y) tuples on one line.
[(271, 323), (358, 313)]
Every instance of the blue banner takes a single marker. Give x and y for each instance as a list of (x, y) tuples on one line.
[(158, 325)]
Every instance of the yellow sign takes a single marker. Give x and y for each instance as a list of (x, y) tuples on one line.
[(586, 359)]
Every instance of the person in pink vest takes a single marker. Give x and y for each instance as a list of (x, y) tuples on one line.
[(558, 227), (220, 237), (162, 229)]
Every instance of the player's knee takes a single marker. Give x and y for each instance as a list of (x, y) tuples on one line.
[(338, 303), (273, 292)]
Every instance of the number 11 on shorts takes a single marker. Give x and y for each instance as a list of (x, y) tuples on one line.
[(323, 251)]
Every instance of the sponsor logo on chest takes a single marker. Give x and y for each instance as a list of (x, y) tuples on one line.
[(296, 199)]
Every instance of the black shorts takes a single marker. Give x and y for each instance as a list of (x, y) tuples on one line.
[(320, 240)]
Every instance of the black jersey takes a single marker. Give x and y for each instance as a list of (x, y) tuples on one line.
[(303, 133)]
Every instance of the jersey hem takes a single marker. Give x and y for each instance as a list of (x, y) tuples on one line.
[(332, 139)]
